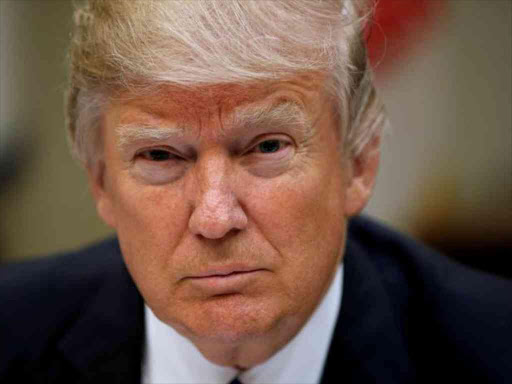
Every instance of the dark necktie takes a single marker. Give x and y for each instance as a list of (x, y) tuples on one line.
[(235, 381)]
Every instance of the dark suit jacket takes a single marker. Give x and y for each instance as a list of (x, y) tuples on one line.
[(408, 315)]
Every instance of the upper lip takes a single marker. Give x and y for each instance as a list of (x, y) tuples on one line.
[(225, 270)]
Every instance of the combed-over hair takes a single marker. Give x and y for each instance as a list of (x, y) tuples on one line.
[(137, 45)]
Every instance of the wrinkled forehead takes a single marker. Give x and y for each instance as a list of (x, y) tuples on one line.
[(179, 103), (170, 102)]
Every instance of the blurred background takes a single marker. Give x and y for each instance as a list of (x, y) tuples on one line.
[(443, 68)]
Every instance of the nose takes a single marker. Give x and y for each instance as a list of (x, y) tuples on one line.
[(216, 210)]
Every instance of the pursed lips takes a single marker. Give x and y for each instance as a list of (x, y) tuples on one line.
[(224, 280), (224, 271)]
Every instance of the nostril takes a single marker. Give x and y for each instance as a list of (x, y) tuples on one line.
[(216, 224), (227, 235), (209, 225)]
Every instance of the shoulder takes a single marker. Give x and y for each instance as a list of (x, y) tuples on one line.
[(63, 277), (402, 260), (440, 305), (40, 298)]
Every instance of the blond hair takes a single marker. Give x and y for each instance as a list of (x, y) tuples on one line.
[(136, 45)]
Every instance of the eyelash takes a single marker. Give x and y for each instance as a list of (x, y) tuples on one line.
[(282, 145), (146, 154)]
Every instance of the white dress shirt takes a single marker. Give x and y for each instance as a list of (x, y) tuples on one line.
[(171, 358)]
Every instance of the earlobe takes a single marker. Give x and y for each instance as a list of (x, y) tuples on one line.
[(96, 177), (364, 167)]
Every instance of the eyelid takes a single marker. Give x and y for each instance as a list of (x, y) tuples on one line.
[(285, 139), (141, 152)]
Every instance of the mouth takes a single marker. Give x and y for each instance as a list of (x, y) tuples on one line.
[(226, 271), (221, 282)]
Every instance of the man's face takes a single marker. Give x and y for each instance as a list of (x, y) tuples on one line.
[(230, 204)]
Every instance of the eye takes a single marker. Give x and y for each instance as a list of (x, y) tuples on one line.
[(269, 156), (158, 155), (270, 146), (158, 165)]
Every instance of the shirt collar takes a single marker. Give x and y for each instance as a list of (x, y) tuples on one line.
[(300, 361)]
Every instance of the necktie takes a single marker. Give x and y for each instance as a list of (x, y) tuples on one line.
[(235, 381)]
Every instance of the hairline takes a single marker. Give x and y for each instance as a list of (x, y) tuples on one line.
[(339, 68)]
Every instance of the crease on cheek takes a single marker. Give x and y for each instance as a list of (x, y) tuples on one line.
[(156, 174), (273, 167), (270, 170)]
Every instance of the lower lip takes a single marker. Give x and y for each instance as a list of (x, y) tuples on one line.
[(225, 284)]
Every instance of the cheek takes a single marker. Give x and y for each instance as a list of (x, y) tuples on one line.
[(148, 211), (297, 207), (302, 218), (150, 223)]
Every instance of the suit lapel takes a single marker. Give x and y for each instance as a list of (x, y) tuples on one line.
[(368, 345), (106, 342)]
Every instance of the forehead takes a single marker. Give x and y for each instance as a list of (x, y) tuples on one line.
[(182, 104)]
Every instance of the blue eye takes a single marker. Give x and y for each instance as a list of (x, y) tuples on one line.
[(269, 146)]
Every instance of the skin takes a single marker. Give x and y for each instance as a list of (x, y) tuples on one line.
[(222, 200)]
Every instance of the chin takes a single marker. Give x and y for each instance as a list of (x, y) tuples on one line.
[(231, 320)]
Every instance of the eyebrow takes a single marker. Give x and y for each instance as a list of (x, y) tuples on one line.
[(287, 114), (129, 133)]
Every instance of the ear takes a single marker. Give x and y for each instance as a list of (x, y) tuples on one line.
[(102, 196), (363, 172)]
